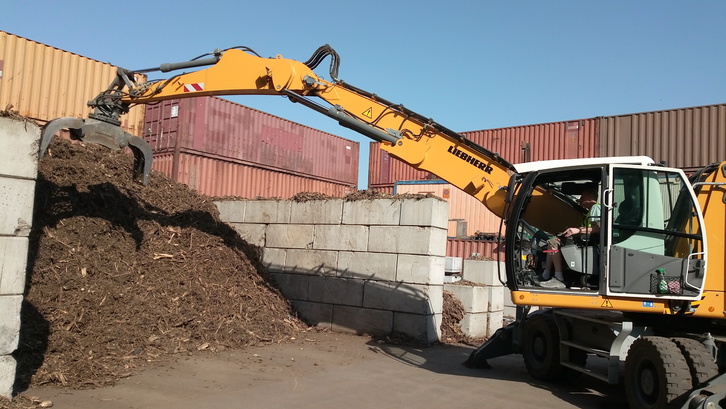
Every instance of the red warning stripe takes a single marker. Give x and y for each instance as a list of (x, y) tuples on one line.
[(194, 87)]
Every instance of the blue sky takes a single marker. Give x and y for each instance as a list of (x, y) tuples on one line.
[(469, 65)]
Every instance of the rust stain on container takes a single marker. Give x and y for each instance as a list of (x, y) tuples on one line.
[(222, 177), (43, 83), (224, 129), (687, 138)]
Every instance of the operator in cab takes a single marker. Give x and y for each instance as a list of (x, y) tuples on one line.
[(553, 274)]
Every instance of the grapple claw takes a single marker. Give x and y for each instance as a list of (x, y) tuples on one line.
[(102, 133), (52, 127)]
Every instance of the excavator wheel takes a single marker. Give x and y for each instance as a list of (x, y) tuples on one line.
[(541, 350), (656, 374), (699, 359)]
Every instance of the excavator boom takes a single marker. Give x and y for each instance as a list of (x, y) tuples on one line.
[(406, 135)]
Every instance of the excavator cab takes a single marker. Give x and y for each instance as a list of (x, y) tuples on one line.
[(650, 232)]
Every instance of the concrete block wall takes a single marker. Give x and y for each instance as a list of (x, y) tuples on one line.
[(484, 301), (364, 266), (18, 171)]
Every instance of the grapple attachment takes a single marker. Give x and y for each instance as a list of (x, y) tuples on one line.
[(102, 133)]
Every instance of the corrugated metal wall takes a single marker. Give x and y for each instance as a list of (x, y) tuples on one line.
[(687, 138), (528, 143), (219, 177), (556, 140), (44, 83), (384, 171), (465, 249), (224, 129), (462, 206)]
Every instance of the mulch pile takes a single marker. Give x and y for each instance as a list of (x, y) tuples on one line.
[(122, 275)]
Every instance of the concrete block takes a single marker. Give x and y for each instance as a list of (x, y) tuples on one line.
[(484, 272), (13, 264), (336, 290), (338, 237), (317, 212), (293, 286), (420, 269), (424, 328), (475, 324), (267, 211), (372, 212), (402, 297), (317, 314), (496, 298), (253, 234), (407, 240), (231, 211), (16, 206), (19, 155), (314, 262), (429, 212), (8, 368), (495, 321), (291, 236), (9, 323), (474, 299), (274, 259), (362, 320), (370, 266)]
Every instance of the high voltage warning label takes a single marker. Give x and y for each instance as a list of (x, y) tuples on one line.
[(368, 113), (607, 304)]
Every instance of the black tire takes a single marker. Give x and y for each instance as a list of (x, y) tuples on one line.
[(541, 350), (699, 359), (656, 374)]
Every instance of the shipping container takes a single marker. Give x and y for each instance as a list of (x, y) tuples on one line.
[(43, 82), (517, 144), (467, 248), (225, 177), (223, 129), (467, 215), (686, 138)]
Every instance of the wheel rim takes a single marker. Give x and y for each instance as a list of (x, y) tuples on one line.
[(539, 348), (647, 382)]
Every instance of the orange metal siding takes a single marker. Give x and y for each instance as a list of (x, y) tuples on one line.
[(462, 206), (215, 126), (687, 138), (43, 83), (219, 177), (556, 140), (465, 249)]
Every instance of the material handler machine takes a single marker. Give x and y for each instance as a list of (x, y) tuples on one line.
[(645, 294)]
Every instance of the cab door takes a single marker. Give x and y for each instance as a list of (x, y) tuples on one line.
[(655, 233)]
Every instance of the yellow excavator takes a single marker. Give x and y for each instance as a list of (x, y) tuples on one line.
[(643, 293)]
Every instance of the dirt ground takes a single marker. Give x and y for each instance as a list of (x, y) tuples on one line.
[(334, 370), (123, 277)]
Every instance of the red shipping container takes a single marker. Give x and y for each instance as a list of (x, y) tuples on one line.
[(220, 128), (556, 140), (223, 177)]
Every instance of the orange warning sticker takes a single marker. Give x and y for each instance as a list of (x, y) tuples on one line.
[(607, 304), (368, 113)]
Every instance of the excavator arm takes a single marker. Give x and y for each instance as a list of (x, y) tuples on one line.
[(406, 135)]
